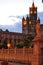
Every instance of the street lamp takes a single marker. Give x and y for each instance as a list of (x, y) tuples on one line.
[(8, 45)]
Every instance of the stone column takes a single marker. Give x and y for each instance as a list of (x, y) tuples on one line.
[(36, 53), (36, 49)]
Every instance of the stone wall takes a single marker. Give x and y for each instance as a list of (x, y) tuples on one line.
[(23, 55), (32, 56)]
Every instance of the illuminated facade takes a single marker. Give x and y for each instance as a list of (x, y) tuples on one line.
[(28, 27)]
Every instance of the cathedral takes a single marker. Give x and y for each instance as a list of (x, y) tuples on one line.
[(28, 27)]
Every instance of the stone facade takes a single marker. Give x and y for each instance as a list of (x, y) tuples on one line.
[(11, 37)]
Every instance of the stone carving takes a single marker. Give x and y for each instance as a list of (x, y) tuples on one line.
[(38, 29)]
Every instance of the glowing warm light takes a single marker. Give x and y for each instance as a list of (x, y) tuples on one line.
[(30, 12), (24, 23), (8, 45), (29, 22), (35, 12)]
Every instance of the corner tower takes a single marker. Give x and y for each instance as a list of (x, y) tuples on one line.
[(25, 25)]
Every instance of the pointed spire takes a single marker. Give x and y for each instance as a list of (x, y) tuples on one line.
[(39, 20), (33, 5), (27, 17), (23, 18)]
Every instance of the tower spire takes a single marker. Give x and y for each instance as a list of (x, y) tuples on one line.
[(33, 0), (33, 4)]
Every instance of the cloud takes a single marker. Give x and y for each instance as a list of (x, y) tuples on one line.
[(16, 19), (20, 17), (40, 15), (17, 23), (12, 28)]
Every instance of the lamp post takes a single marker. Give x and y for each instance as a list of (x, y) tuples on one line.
[(8, 45)]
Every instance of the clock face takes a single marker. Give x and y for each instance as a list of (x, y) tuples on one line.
[(34, 12), (24, 23), (31, 12), (29, 22)]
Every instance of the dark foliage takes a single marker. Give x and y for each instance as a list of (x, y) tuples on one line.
[(20, 45)]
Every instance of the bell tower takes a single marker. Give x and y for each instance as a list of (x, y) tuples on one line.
[(29, 24), (33, 12), (33, 16)]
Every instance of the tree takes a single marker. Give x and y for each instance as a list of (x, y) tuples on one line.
[(0, 29), (28, 40), (7, 30), (4, 45), (19, 45)]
